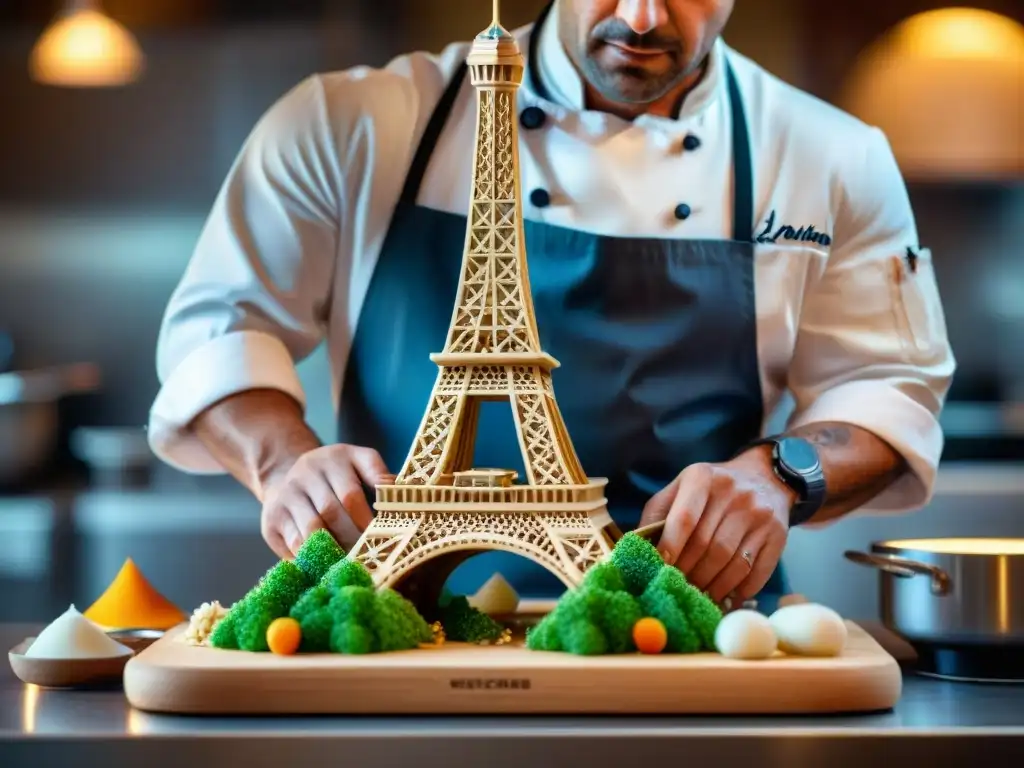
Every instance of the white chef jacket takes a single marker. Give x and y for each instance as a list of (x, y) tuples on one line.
[(285, 259)]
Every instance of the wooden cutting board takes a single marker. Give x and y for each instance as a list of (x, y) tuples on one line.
[(173, 677)]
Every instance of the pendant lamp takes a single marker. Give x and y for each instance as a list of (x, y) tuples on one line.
[(85, 48), (947, 88)]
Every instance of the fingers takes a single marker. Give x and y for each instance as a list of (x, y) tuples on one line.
[(712, 514), (291, 535), (324, 489), (765, 561), (291, 517), (658, 506), (270, 525), (363, 465), (691, 496), (280, 531), (369, 465), (346, 498), (320, 489), (737, 569), (305, 519), (272, 535), (713, 545)]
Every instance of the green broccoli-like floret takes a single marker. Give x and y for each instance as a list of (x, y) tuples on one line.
[(604, 575), (252, 628), (354, 604), (464, 623), (681, 637), (352, 638), (690, 616), (346, 573), (224, 635), (369, 621), (279, 589), (339, 611), (611, 614), (544, 636), (317, 554), (583, 638), (702, 612), (312, 600), (705, 617), (397, 623), (638, 562), (245, 625), (314, 619), (599, 615), (620, 612), (316, 627)]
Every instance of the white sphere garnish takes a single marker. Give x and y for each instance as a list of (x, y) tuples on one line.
[(745, 634), (809, 629)]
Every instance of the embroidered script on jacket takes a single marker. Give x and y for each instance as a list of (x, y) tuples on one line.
[(806, 234)]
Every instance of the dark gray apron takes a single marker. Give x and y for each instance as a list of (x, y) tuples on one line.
[(657, 339)]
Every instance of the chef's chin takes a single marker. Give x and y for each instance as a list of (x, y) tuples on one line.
[(624, 79)]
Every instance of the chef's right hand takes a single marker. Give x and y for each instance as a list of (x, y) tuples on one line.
[(322, 489)]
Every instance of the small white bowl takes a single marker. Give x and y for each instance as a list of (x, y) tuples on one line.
[(65, 673)]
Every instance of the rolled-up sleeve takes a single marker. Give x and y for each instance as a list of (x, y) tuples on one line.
[(872, 348), (253, 299)]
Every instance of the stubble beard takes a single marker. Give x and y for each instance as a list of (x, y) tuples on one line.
[(631, 85)]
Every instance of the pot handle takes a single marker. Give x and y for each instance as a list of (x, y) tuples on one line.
[(902, 567)]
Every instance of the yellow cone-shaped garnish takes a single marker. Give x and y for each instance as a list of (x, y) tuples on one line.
[(131, 602)]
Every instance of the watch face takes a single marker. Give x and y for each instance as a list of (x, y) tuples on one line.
[(798, 454)]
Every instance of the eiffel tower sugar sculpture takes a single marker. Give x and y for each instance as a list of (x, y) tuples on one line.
[(439, 505)]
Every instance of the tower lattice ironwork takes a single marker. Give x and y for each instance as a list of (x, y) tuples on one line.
[(438, 503)]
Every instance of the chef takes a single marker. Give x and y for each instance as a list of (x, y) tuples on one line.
[(702, 240)]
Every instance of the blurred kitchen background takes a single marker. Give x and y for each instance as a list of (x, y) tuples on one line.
[(103, 192)]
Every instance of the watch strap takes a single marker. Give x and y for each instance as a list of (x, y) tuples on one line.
[(811, 501)]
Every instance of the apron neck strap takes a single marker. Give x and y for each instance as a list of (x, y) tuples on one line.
[(742, 164), (420, 161), (532, 70)]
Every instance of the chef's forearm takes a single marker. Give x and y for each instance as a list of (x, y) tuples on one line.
[(858, 465), (256, 436)]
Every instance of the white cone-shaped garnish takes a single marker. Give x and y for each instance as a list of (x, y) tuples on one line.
[(495, 597), (72, 636)]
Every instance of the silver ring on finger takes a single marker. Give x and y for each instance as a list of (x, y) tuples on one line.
[(748, 557)]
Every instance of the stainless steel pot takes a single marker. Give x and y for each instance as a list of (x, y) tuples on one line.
[(959, 602), (29, 421)]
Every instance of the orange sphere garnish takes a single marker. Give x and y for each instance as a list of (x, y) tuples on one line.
[(649, 635), (284, 636)]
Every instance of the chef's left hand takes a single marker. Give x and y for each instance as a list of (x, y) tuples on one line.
[(714, 513)]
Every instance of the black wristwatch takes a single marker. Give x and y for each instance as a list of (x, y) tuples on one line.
[(796, 463)]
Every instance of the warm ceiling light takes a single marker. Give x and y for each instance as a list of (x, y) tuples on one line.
[(947, 87), (86, 48)]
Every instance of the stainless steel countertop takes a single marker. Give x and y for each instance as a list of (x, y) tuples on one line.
[(941, 722)]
